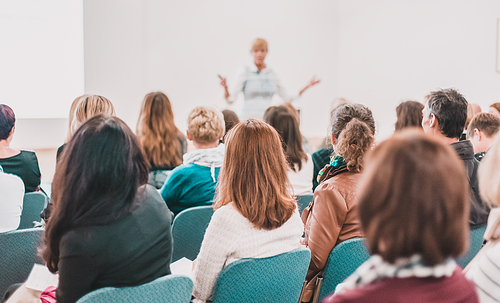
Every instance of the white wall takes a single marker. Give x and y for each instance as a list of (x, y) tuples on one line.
[(179, 47), (391, 50)]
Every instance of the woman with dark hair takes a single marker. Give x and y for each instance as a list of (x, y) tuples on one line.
[(107, 228), (162, 142), (21, 163), (414, 215), (409, 114), (300, 170), (255, 214), (332, 217)]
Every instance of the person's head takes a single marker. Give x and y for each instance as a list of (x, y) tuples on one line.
[(230, 120), (259, 50), (353, 133), (482, 131), (289, 106), (410, 206), (158, 134), (89, 106), (254, 175), (495, 109), (409, 114), (205, 126), (7, 122), (72, 115), (445, 114), (96, 180), (287, 126)]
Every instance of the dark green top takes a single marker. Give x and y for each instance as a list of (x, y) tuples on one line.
[(320, 159), (133, 250), (24, 165)]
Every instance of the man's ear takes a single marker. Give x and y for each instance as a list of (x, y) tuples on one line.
[(433, 122), (478, 134)]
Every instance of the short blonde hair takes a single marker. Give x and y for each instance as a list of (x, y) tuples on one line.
[(206, 124), (259, 43), (489, 175), (89, 106)]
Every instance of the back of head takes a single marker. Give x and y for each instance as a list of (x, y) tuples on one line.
[(496, 106), (157, 131), (96, 180), (287, 126), (206, 124), (89, 106), (409, 114), (489, 174), (254, 175), (450, 109), (353, 127), (7, 121), (230, 119), (486, 123), (408, 205)]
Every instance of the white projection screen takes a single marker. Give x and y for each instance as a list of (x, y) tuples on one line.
[(41, 56)]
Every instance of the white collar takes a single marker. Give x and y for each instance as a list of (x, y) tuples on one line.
[(253, 68)]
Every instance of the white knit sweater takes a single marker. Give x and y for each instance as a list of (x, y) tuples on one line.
[(230, 237)]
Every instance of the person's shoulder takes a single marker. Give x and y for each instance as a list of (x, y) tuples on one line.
[(29, 156), (11, 181)]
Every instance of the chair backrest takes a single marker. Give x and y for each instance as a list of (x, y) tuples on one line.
[(476, 242), (188, 231), (18, 253), (344, 259), (33, 204), (303, 202), (171, 288), (274, 279)]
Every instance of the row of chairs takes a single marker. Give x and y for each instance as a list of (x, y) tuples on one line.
[(33, 204)]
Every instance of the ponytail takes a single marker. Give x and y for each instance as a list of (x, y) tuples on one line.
[(353, 142)]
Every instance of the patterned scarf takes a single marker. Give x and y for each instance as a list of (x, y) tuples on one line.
[(376, 268), (336, 166)]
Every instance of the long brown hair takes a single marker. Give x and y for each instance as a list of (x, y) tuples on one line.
[(158, 135), (353, 127), (287, 126), (410, 206), (254, 175), (409, 114), (96, 180)]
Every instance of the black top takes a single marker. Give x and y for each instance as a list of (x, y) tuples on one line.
[(320, 159), (24, 165), (131, 251)]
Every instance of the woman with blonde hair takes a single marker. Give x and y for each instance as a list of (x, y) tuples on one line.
[(258, 83), (162, 142), (84, 108), (255, 214), (332, 217)]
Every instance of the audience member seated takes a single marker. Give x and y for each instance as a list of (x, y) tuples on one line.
[(20, 163), (11, 201), (409, 114), (445, 114), (495, 109), (193, 183), (300, 171), (414, 215), (230, 119), (162, 142), (255, 214), (482, 131), (84, 108), (107, 228), (333, 216), (484, 269)]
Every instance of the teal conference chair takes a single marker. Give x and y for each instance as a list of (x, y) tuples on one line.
[(273, 279), (476, 242), (171, 289), (303, 202), (33, 204), (188, 231), (18, 253), (344, 259)]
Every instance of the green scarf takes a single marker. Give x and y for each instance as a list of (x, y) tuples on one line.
[(336, 163)]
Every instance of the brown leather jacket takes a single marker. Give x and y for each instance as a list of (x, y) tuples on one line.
[(330, 219)]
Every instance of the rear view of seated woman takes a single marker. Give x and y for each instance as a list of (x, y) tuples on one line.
[(193, 182), (414, 211), (300, 171), (162, 142), (107, 227), (255, 213), (21, 163)]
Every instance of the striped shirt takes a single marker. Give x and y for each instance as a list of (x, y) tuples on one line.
[(486, 275)]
